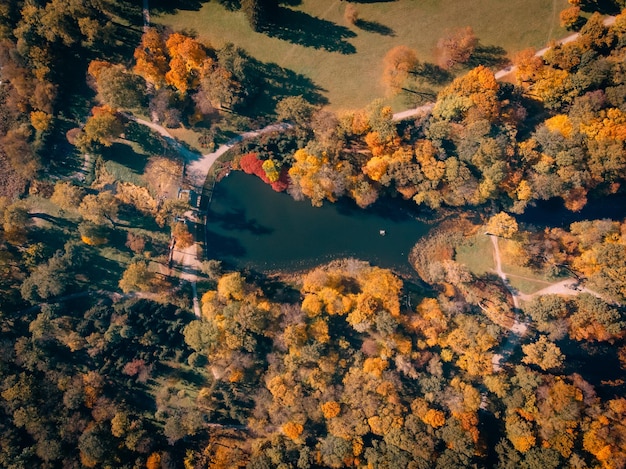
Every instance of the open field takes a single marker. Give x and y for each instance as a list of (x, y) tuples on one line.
[(476, 253), (344, 60)]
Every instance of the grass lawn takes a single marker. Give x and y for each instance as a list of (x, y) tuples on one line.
[(344, 61), (125, 161), (476, 253)]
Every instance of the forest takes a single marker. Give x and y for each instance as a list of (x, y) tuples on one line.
[(105, 361)]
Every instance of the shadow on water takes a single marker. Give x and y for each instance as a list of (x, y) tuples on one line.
[(552, 213), (235, 220), (300, 28), (221, 246)]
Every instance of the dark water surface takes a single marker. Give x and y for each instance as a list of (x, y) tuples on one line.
[(250, 225)]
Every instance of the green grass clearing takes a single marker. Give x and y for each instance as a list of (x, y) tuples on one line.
[(344, 61), (476, 253), (126, 162)]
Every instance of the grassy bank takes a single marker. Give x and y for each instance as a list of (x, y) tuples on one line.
[(344, 60)]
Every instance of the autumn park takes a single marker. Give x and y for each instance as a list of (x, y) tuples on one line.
[(312, 234)]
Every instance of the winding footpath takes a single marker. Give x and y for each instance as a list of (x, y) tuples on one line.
[(519, 327)]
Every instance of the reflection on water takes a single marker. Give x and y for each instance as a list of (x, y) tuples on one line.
[(250, 225)]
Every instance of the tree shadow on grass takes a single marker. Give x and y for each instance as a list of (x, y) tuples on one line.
[(300, 28), (150, 142), (276, 83), (171, 6), (126, 156), (489, 56), (432, 74), (375, 27)]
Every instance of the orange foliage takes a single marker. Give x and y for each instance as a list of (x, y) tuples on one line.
[(293, 430), (154, 461), (150, 58), (330, 409), (96, 66), (397, 64)]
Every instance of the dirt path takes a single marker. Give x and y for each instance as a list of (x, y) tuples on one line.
[(198, 168), (608, 21)]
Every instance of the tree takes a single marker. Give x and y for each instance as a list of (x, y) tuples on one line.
[(137, 277), (258, 12), (570, 17), (231, 286), (120, 89), (102, 127), (398, 63), (98, 208), (502, 224), (66, 195), (543, 353), (183, 237), (351, 14), (295, 109), (151, 58), (456, 47), (16, 221), (220, 88)]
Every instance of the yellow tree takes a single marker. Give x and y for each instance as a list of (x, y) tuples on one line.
[(502, 224)]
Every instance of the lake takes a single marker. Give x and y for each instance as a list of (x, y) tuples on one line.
[(251, 226)]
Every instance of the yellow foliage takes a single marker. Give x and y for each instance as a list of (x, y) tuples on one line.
[(137, 196), (330, 409), (376, 167), (209, 304), (357, 446), (40, 120), (524, 191), (560, 123), (447, 355), (319, 331), (312, 305), (375, 366), (93, 241), (609, 125), (231, 286)]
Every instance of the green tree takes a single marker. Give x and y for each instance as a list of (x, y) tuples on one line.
[(137, 277), (100, 208), (543, 353), (101, 128), (295, 109), (67, 195), (120, 89)]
